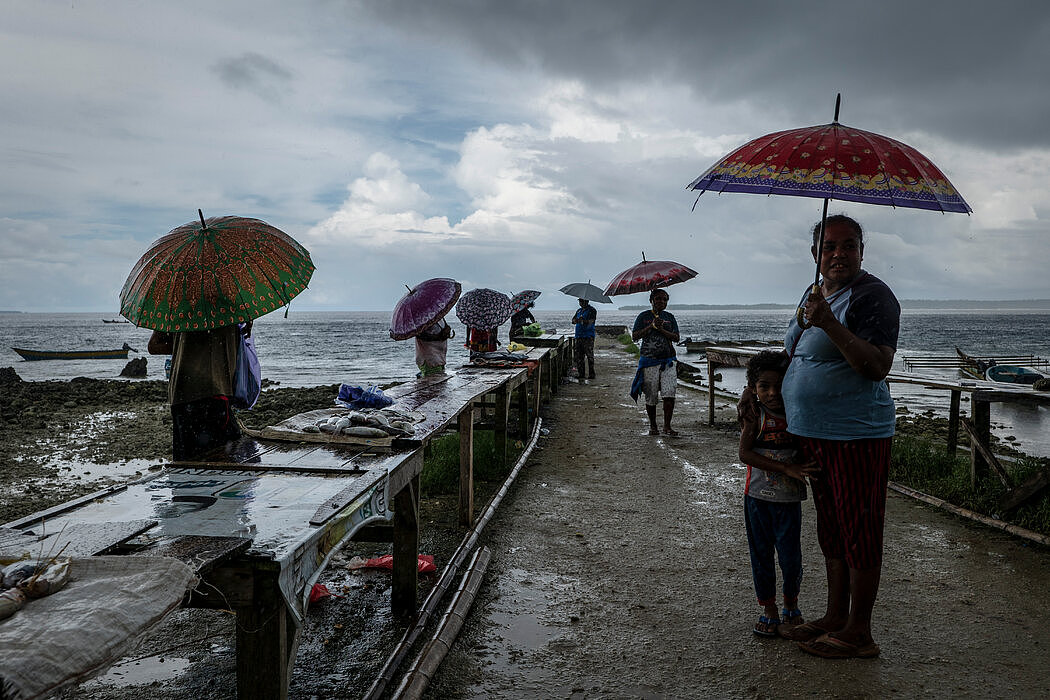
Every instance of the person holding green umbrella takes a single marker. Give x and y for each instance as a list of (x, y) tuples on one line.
[(198, 288)]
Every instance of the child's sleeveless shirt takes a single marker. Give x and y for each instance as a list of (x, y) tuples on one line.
[(775, 442)]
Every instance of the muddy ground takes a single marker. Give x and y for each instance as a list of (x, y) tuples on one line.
[(620, 569)]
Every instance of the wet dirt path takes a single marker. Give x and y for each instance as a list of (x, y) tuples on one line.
[(620, 569)]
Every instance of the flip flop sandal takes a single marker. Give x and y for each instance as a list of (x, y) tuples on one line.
[(766, 627), (828, 647), (791, 617), (803, 632)]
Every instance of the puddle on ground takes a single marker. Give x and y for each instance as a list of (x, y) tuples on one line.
[(140, 672)]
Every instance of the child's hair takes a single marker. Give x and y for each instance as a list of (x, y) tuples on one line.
[(767, 360)]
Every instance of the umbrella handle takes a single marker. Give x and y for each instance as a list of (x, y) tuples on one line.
[(800, 317), (800, 312)]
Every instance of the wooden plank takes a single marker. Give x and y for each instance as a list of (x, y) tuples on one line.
[(89, 539), (15, 544), (202, 553), (979, 443), (466, 467), (502, 410), (711, 366), (953, 423), (1031, 487), (266, 639), (296, 468), (522, 401), (537, 391), (405, 574), (344, 497), (63, 507)]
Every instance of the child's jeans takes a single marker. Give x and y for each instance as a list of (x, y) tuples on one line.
[(774, 527)]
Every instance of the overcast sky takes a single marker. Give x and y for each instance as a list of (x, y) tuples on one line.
[(508, 144)]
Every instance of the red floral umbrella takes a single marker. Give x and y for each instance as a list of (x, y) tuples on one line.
[(220, 271), (521, 300), (424, 304), (833, 161), (648, 275)]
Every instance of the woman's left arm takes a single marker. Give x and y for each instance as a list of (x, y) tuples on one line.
[(869, 360)]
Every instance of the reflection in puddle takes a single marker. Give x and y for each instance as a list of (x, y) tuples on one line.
[(141, 671)]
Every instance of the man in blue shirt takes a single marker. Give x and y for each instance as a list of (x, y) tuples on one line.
[(584, 344)]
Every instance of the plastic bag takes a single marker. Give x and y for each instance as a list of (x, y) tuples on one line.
[(358, 397), (424, 563), (532, 330), (247, 380)]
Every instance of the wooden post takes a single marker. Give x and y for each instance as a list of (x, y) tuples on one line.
[(537, 391), (466, 466), (524, 423), (710, 392), (502, 397), (555, 367), (267, 635), (953, 422), (982, 416), (405, 574)]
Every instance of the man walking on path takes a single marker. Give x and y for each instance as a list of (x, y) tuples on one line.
[(583, 349)]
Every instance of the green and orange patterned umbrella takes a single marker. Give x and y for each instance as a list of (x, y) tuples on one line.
[(214, 273)]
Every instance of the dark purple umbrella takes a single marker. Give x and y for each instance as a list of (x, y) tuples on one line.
[(483, 308), (521, 300), (423, 305)]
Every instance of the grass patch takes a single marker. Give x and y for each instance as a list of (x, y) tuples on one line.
[(440, 473), (628, 344), (924, 465)]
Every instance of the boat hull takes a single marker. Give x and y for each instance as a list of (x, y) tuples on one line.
[(33, 355), (1012, 374)]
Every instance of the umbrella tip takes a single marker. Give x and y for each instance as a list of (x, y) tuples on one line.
[(201, 215), (408, 288), (838, 102)]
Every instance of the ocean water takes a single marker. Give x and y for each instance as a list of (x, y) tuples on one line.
[(312, 348)]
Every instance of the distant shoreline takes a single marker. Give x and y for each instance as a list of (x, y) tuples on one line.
[(907, 304)]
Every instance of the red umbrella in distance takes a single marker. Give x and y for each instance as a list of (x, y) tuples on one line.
[(833, 161), (648, 275), (424, 304)]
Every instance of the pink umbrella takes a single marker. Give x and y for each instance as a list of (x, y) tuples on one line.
[(424, 304), (648, 275)]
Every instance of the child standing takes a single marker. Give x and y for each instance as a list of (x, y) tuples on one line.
[(773, 494)]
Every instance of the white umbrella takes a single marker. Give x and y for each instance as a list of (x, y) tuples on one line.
[(586, 290)]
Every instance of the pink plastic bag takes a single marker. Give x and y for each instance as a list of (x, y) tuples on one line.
[(425, 564)]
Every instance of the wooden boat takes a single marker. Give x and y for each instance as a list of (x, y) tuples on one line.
[(1006, 369), (1012, 374), (121, 354)]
